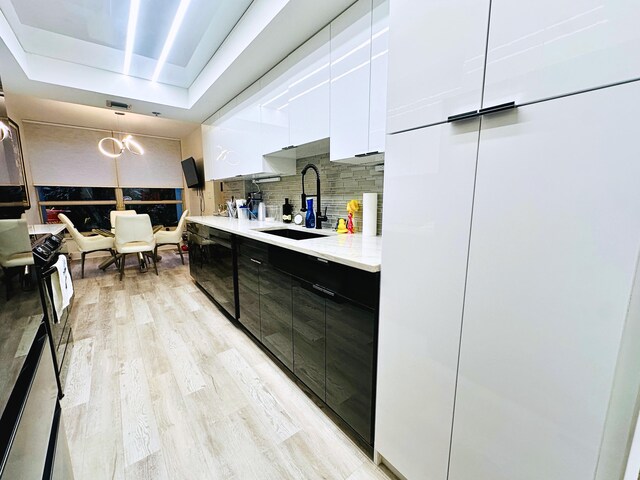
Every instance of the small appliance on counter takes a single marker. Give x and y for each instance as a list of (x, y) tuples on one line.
[(254, 199)]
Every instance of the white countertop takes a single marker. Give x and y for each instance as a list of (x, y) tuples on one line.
[(43, 229), (352, 250)]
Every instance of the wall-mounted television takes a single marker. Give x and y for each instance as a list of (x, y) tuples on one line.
[(191, 174)]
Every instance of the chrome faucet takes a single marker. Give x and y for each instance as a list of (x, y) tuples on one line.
[(319, 217)]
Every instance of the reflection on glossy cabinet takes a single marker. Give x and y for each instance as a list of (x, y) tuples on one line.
[(276, 313), (309, 336), (559, 47), (552, 262), (436, 61), (350, 335)]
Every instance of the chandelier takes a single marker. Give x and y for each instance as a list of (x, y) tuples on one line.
[(118, 146)]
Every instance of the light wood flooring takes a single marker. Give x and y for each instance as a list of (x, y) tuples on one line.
[(162, 386)]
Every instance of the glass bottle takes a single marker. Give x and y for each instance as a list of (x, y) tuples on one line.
[(287, 211), (310, 219)]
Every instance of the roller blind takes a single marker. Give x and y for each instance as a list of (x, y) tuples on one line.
[(67, 156), (159, 167)]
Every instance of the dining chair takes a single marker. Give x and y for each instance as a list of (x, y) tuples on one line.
[(15, 248), (172, 237), (134, 234), (113, 214), (93, 243)]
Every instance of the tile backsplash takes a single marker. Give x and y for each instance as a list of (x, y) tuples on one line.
[(339, 183)]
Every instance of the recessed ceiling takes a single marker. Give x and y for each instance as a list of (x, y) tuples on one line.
[(73, 50), (95, 32)]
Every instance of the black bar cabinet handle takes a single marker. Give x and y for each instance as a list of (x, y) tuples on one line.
[(360, 155), (323, 290), (497, 108), (463, 116)]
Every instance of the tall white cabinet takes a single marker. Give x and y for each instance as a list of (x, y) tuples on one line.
[(511, 242), (554, 247)]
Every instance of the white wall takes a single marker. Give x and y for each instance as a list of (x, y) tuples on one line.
[(192, 147)]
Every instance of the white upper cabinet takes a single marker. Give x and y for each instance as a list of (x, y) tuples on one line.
[(294, 97), (436, 61), (350, 81), (236, 148), (309, 95), (552, 262), (359, 51), (548, 48), (378, 85)]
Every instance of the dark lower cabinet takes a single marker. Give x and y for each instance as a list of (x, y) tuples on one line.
[(309, 336), (276, 313), (317, 317), (212, 264), (350, 340), (249, 293)]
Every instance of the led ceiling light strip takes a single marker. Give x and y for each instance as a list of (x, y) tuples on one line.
[(173, 32), (131, 34)]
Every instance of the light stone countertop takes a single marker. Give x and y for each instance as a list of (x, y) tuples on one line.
[(352, 250)]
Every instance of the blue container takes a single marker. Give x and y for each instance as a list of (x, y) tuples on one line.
[(310, 219)]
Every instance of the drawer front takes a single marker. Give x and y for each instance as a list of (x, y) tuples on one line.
[(358, 285)]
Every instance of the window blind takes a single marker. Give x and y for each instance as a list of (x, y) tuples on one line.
[(67, 156), (159, 167)]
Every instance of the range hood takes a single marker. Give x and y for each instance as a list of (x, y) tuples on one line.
[(318, 147)]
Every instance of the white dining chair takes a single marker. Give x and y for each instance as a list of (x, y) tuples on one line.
[(134, 234), (15, 248), (113, 214), (93, 243), (172, 237)]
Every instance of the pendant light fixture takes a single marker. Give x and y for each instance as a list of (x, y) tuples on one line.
[(4, 131), (118, 146)]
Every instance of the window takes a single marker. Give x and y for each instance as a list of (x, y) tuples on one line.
[(163, 205), (86, 207), (89, 207)]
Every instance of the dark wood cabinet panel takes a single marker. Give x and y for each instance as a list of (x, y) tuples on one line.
[(249, 294), (309, 336), (276, 313), (350, 350)]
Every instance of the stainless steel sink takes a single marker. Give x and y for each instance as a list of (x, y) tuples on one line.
[(293, 234)]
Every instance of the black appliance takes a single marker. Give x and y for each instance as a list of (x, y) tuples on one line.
[(32, 440), (254, 199), (46, 251), (191, 174)]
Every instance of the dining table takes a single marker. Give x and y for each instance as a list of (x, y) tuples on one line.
[(111, 260), (40, 229)]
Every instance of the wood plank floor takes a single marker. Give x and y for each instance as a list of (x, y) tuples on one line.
[(162, 386)]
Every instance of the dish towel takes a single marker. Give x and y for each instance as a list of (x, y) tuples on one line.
[(62, 287)]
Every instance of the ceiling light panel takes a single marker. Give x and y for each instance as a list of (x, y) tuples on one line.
[(134, 9), (173, 32)]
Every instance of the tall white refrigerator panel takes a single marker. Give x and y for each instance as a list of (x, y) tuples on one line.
[(428, 196), (554, 248)]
